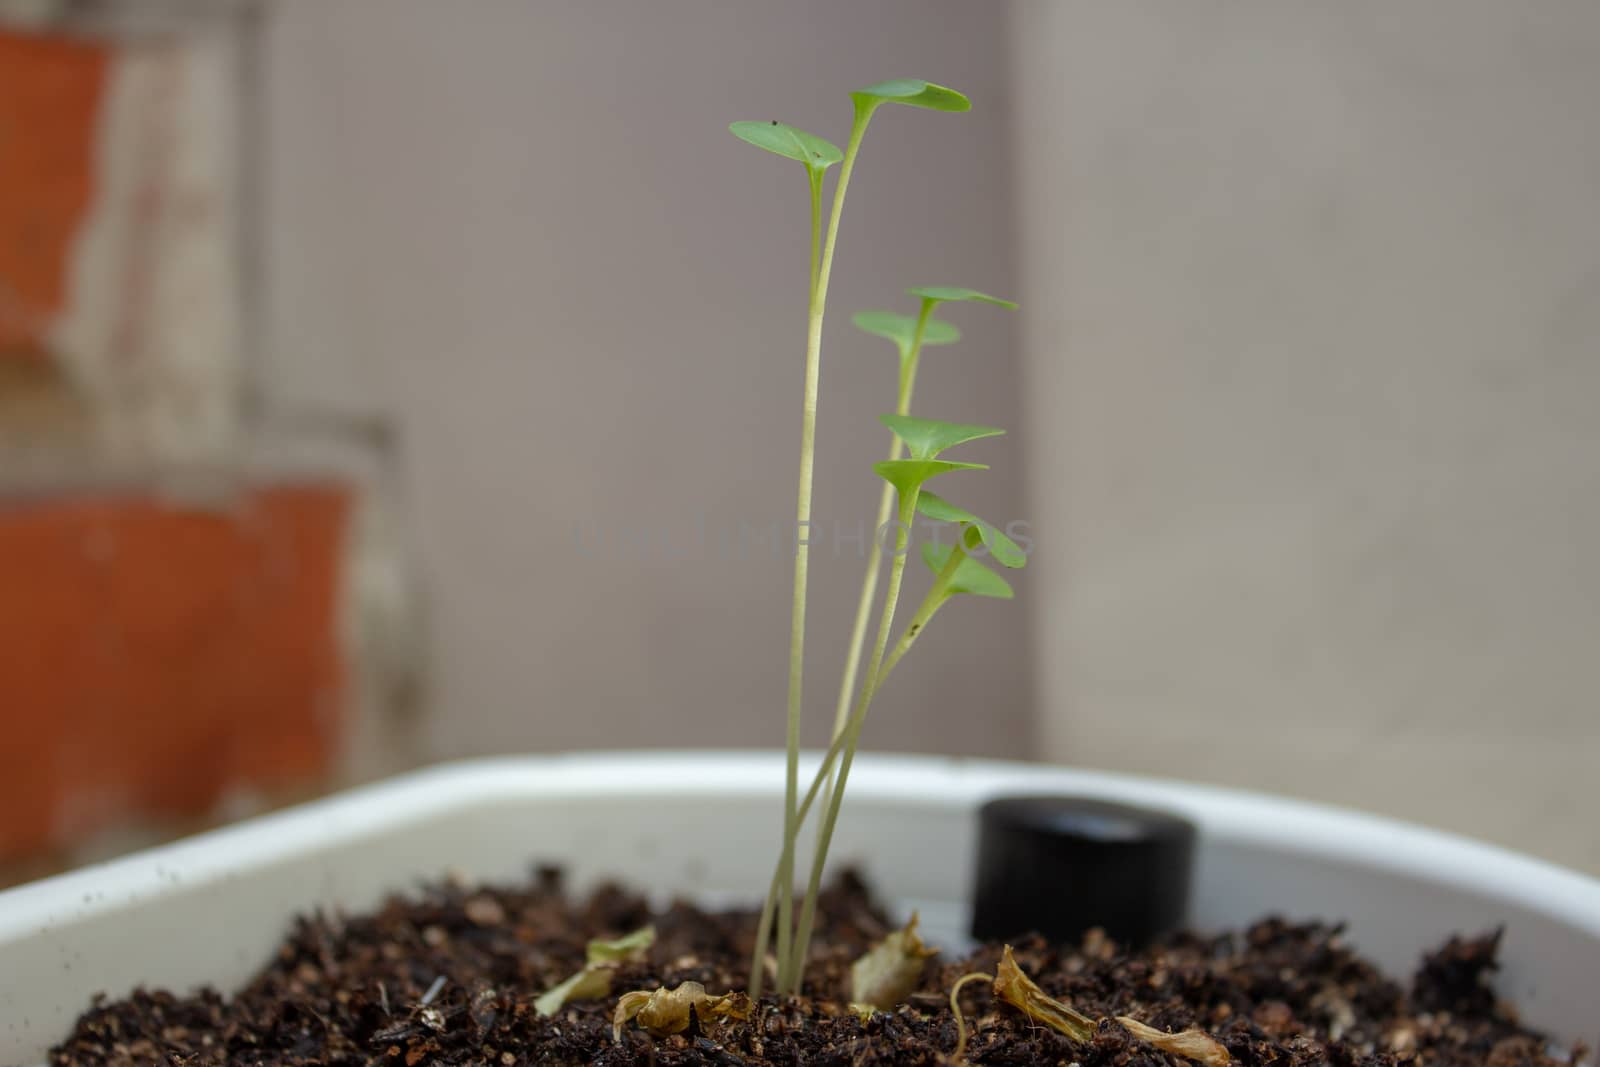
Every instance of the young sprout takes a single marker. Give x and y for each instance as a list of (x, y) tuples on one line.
[(817, 155), (909, 335), (925, 440), (922, 439)]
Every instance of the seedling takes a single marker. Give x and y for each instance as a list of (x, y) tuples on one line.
[(913, 459)]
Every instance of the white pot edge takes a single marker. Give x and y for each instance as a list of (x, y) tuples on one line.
[(1222, 813), (1322, 842)]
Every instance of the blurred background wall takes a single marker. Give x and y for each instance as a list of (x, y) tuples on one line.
[(1313, 333), (1303, 392), (527, 237)]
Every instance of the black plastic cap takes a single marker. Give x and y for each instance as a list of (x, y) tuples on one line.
[(1061, 865)]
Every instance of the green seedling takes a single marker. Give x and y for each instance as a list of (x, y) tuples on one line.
[(912, 461)]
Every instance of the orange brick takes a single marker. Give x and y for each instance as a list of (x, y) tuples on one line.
[(152, 656), (50, 94)]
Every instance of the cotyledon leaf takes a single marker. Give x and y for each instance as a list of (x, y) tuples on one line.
[(902, 329), (907, 475), (926, 438), (947, 293), (913, 92), (972, 576), (791, 142), (1005, 551)]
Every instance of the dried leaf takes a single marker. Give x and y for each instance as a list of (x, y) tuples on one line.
[(591, 983), (1020, 991), (1194, 1045), (891, 970), (594, 981), (666, 1011)]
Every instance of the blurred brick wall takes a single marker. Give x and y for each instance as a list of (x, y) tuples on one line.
[(159, 656), (51, 91), (50, 95), (155, 655)]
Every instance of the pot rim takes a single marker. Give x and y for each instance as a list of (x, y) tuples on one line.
[(1223, 815)]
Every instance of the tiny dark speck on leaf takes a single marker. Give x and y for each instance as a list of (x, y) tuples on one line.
[(774, 122)]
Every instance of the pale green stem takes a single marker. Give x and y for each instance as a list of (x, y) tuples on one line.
[(785, 872), (823, 770), (869, 582), (937, 595), (823, 779), (797, 619), (897, 571)]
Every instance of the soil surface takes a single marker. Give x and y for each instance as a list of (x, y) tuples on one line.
[(450, 976)]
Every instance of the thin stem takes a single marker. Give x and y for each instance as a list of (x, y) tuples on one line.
[(869, 581), (815, 177), (797, 620), (908, 369), (958, 1056), (897, 571), (936, 598), (937, 595), (824, 770)]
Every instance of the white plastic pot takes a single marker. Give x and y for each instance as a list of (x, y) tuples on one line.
[(210, 909)]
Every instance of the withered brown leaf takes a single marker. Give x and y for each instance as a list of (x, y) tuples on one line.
[(666, 1011), (1020, 991)]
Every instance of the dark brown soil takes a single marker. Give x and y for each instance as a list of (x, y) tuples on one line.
[(351, 990)]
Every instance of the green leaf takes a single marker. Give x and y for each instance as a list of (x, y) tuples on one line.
[(907, 475), (914, 92), (974, 530), (971, 576), (926, 438), (789, 142), (1005, 551), (945, 293), (939, 509), (630, 947), (901, 328)]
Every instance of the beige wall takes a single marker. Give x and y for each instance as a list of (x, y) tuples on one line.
[(527, 237), (1311, 319), (1313, 303)]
